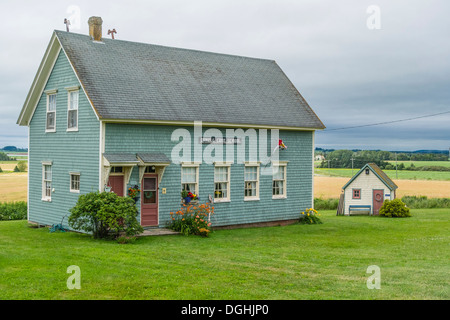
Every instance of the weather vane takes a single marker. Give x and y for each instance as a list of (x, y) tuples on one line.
[(111, 32), (67, 23)]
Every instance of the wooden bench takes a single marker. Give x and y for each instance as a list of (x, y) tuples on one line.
[(360, 209)]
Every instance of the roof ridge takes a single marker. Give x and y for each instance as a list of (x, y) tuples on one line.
[(169, 47)]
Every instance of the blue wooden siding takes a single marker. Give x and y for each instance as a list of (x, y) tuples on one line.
[(132, 138), (68, 151)]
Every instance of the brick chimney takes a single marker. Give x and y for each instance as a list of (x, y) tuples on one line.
[(95, 28)]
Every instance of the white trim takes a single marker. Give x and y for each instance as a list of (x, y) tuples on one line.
[(209, 124), (101, 149), (228, 182), (252, 198), (73, 88), (44, 196), (69, 92), (44, 67), (280, 164), (49, 93), (70, 182), (197, 175)]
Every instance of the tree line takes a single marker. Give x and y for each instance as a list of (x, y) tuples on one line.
[(357, 159)]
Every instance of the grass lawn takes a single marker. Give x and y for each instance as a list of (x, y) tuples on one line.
[(327, 261)]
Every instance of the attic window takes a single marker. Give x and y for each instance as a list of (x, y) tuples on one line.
[(367, 170)]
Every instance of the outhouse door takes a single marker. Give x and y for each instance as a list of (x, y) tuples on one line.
[(149, 200), (378, 199)]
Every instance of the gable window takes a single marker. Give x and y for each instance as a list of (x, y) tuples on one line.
[(75, 182), (251, 183), (356, 193), (221, 183), (46, 181), (72, 113), (189, 179), (50, 125), (279, 181)]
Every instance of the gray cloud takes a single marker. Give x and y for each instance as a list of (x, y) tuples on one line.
[(350, 75)]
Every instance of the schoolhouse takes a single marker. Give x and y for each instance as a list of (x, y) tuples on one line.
[(109, 115)]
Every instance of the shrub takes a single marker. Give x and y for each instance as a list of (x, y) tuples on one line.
[(394, 208), (192, 220), (309, 216), (421, 202), (326, 204), (105, 214), (16, 169), (13, 210)]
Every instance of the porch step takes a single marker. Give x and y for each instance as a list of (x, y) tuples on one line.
[(157, 232)]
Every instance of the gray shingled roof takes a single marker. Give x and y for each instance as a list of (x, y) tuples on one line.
[(121, 158), (153, 158), (136, 81), (378, 172)]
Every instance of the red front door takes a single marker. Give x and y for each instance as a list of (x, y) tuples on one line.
[(116, 183), (149, 200), (378, 198)]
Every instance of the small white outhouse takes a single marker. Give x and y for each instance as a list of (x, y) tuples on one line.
[(366, 191)]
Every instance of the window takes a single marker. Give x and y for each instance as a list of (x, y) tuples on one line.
[(75, 182), (222, 183), (46, 182), (356, 193), (189, 179), (251, 183), (116, 169), (50, 125), (279, 181), (72, 113)]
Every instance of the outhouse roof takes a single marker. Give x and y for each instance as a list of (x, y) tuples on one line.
[(378, 172)]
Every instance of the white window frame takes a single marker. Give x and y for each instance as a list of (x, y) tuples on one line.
[(255, 197), (70, 91), (50, 93), (196, 167), (71, 175), (45, 180), (228, 170), (284, 180)]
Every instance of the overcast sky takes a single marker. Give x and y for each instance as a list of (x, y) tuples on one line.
[(350, 74)]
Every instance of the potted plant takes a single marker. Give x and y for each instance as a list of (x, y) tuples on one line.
[(133, 192), (185, 196)]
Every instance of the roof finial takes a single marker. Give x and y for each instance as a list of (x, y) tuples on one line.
[(67, 23), (111, 32)]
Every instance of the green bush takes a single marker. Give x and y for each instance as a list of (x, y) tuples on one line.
[(13, 210), (105, 214), (394, 208), (309, 216)]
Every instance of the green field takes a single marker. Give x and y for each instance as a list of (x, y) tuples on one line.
[(423, 163), (400, 174), (326, 261)]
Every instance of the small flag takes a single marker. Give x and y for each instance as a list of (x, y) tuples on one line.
[(281, 145)]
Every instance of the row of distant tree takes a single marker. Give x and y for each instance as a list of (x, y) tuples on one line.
[(357, 159)]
